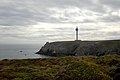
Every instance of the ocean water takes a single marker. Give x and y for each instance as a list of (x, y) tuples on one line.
[(21, 51)]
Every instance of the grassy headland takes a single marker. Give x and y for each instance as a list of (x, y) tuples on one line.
[(62, 68)]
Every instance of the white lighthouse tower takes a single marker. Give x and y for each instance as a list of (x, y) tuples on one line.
[(76, 33)]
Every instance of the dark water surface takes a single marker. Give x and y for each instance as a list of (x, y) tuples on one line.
[(21, 51)]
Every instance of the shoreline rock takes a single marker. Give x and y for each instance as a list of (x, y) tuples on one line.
[(81, 48)]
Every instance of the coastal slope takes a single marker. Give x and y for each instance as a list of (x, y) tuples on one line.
[(62, 68), (65, 48)]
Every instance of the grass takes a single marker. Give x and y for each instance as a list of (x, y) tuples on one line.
[(62, 68)]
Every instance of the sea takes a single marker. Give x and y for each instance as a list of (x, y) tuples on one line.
[(20, 51)]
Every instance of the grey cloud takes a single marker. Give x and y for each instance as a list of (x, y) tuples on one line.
[(110, 19), (23, 14), (88, 21), (65, 3), (30, 12), (114, 34), (17, 32), (16, 15), (12, 17), (88, 29), (13, 13), (64, 28), (22, 18), (114, 4)]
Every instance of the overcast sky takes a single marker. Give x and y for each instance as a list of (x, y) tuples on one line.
[(40, 21)]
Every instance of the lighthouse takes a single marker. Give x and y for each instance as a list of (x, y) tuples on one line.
[(76, 33)]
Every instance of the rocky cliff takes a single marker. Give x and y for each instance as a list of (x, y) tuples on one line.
[(81, 48)]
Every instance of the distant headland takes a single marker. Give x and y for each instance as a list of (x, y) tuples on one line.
[(78, 47)]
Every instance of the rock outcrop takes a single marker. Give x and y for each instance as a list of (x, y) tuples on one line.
[(81, 48)]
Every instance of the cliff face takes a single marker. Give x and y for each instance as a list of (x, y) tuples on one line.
[(81, 48)]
